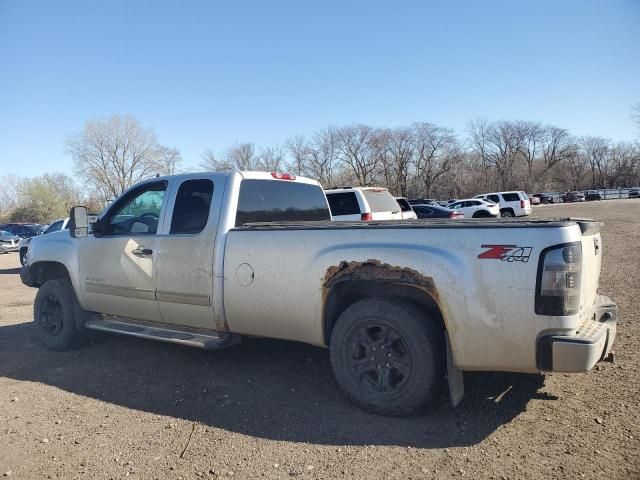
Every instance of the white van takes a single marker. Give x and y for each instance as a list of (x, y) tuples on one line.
[(512, 204), (349, 204)]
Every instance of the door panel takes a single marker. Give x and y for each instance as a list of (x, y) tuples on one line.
[(184, 278), (117, 267)]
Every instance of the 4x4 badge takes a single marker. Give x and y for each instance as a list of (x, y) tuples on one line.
[(506, 253)]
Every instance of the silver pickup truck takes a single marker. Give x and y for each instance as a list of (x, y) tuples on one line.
[(204, 259)]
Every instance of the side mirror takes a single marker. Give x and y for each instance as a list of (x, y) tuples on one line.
[(78, 222)]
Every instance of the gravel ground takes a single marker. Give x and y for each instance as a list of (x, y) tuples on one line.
[(271, 409)]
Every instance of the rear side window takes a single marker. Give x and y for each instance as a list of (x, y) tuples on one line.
[(280, 201), (494, 198), (343, 203), (423, 210), (381, 201), (192, 206), (404, 205), (511, 197)]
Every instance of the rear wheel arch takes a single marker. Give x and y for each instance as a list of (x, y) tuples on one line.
[(507, 212), (345, 293)]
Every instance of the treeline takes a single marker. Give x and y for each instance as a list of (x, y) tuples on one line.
[(419, 160), (427, 160)]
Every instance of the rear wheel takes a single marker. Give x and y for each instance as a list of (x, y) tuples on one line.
[(481, 214), (387, 356), (55, 313), (507, 212)]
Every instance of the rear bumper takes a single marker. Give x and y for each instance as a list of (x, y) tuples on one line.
[(580, 352), (9, 248)]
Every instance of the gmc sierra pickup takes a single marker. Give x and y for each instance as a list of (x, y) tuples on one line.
[(203, 259)]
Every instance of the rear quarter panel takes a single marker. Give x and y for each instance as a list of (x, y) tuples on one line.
[(487, 304)]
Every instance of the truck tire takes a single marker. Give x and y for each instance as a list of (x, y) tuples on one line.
[(23, 256), (56, 312), (387, 356)]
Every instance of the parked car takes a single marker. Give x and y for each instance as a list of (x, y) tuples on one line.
[(399, 305), (61, 224), (476, 208), (350, 204), (544, 198), (571, 197), (534, 200), (634, 193), (8, 242), (436, 211), (405, 209), (512, 204), (24, 230), (591, 195)]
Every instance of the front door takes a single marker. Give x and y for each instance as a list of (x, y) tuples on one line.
[(117, 268), (186, 253)]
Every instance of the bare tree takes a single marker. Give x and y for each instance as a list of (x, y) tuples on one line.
[(323, 155), (168, 161), (355, 153), (299, 150), (533, 135), (478, 131), (401, 152), (240, 157), (596, 150), (577, 165), (435, 152), (635, 115), (113, 154), (271, 159)]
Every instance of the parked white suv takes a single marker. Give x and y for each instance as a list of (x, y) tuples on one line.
[(512, 204), (349, 204), (476, 208)]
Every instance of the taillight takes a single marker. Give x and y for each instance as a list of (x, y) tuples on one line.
[(559, 277), (366, 217), (521, 203), (283, 176), (456, 215)]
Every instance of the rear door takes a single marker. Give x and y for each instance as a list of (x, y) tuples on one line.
[(184, 278)]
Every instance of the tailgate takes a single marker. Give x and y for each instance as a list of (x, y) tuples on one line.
[(591, 262)]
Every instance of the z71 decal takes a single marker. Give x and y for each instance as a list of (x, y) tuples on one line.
[(506, 253)]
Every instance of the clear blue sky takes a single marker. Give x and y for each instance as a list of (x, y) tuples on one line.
[(205, 74)]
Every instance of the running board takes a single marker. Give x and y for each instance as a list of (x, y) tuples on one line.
[(207, 339)]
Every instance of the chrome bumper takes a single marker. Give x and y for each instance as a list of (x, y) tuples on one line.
[(580, 352)]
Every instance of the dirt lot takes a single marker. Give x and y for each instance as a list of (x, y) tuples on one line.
[(270, 409)]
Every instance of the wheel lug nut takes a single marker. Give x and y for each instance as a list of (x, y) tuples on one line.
[(388, 365), (372, 359), (389, 354), (373, 349), (379, 366)]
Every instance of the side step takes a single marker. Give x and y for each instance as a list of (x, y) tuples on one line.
[(207, 339)]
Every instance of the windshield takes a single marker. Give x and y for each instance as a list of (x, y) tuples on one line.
[(4, 233), (380, 200)]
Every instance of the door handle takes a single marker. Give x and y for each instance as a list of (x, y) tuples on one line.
[(141, 251)]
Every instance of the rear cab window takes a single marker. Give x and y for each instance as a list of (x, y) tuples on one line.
[(343, 203), (380, 200), (280, 201)]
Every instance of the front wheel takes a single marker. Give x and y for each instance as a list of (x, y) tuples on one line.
[(387, 356), (55, 313)]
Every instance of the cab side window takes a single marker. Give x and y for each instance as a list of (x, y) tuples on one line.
[(191, 210), (138, 212)]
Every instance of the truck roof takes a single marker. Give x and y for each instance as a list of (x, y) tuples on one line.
[(245, 175)]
